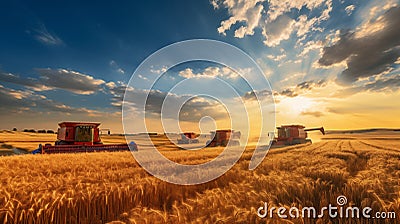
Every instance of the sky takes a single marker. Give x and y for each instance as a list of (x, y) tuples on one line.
[(329, 63)]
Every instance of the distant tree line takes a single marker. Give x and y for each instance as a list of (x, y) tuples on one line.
[(39, 131)]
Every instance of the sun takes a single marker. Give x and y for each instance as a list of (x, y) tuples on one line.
[(297, 105)]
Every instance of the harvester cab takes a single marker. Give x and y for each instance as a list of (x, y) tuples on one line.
[(224, 138), (77, 133), (294, 134)]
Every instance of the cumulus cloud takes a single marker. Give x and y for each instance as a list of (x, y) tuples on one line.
[(292, 91), (117, 90), (280, 7), (200, 107), (188, 73), (310, 46), (302, 88), (305, 24), (211, 72), (261, 94), (49, 79), (248, 12), (383, 84), (252, 22), (274, 21), (391, 83), (70, 80), (308, 85), (349, 9), (276, 57), (192, 108), (278, 30), (368, 52), (28, 82), (158, 71), (15, 101), (288, 93), (301, 26), (10, 97)]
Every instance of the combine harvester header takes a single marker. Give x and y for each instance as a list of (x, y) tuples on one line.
[(73, 137)]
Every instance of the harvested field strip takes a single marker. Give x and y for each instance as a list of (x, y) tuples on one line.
[(380, 146)]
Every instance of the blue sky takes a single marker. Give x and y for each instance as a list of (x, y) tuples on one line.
[(71, 60)]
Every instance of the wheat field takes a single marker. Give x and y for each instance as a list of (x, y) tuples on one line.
[(113, 188)]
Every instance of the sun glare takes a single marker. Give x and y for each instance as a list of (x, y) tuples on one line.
[(297, 105)]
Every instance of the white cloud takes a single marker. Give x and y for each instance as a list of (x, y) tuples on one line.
[(303, 88), (158, 71), (368, 51), (349, 9), (276, 57), (369, 13), (28, 82), (214, 3), (116, 67), (191, 108), (274, 21), (211, 72), (338, 66), (16, 100), (297, 61), (278, 30), (325, 13), (332, 38), (252, 22), (280, 7), (310, 46), (111, 85), (49, 79), (248, 12), (70, 80), (117, 90), (304, 24), (143, 77), (373, 19), (187, 73)]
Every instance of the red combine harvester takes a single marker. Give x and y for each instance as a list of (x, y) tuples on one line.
[(188, 138), (224, 138), (294, 134), (73, 137)]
